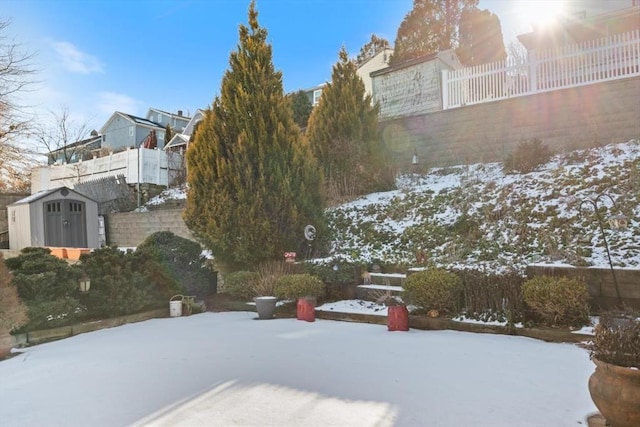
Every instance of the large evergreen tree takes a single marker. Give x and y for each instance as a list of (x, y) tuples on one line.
[(430, 27), (371, 48), (480, 40), (301, 107), (253, 183), (343, 133)]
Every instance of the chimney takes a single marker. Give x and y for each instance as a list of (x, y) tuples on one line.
[(180, 113)]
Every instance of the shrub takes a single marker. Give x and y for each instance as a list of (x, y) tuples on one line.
[(617, 338), (345, 273), (293, 286), (487, 296), (241, 284), (38, 275), (182, 260), (118, 283), (13, 312), (45, 314), (269, 272), (48, 287), (527, 156), (557, 300), (433, 289)]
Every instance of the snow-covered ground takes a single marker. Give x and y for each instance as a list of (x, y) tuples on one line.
[(228, 369)]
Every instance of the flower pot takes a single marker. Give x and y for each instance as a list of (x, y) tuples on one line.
[(58, 252), (306, 309), (74, 253), (397, 318), (266, 307), (615, 390)]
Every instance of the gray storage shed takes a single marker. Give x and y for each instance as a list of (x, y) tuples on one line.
[(58, 218)]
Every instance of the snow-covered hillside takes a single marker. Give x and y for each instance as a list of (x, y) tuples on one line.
[(478, 216)]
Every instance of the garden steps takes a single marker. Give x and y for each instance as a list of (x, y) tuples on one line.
[(376, 283)]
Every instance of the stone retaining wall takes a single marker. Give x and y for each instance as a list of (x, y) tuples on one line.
[(567, 119), (129, 229)]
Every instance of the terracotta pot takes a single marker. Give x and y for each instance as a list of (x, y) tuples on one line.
[(397, 318), (74, 253), (615, 390), (306, 309)]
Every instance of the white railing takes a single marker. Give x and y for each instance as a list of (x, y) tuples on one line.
[(574, 65), (137, 165)]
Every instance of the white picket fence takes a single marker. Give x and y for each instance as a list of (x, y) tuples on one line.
[(137, 165), (604, 59)]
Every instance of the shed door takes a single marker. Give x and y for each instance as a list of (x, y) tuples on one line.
[(65, 224)]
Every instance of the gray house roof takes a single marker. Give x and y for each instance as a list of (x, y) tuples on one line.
[(133, 119)]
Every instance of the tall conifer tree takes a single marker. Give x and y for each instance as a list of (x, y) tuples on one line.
[(430, 27), (253, 182), (343, 133)]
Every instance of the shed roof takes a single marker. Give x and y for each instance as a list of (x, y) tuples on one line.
[(44, 193)]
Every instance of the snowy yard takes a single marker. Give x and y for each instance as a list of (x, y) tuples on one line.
[(228, 369)]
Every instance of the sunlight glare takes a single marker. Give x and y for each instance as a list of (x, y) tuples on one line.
[(540, 13)]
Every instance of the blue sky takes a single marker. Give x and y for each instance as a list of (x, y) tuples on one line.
[(99, 56)]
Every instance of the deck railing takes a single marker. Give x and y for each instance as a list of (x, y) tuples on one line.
[(137, 165), (604, 59)]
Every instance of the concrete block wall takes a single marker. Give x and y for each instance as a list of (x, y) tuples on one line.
[(599, 282), (564, 120), (129, 229)]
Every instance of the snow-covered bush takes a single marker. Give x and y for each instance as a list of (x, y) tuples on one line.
[(557, 301)]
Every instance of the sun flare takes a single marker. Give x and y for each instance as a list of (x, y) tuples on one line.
[(540, 13)]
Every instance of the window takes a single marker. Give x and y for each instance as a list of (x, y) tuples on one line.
[(159, 118), (316, 96), (131, 131), (160, 136)]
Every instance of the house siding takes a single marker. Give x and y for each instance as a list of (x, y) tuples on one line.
[(378, 62), (162, 118), (409, 91), (117, 134)]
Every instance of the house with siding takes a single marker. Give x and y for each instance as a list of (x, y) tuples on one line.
[(379, 61), (77, 151), (128, 131), (178, 122), (180, 141)]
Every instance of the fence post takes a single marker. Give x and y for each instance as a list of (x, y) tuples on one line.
[(445, 89), (533, 70)]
